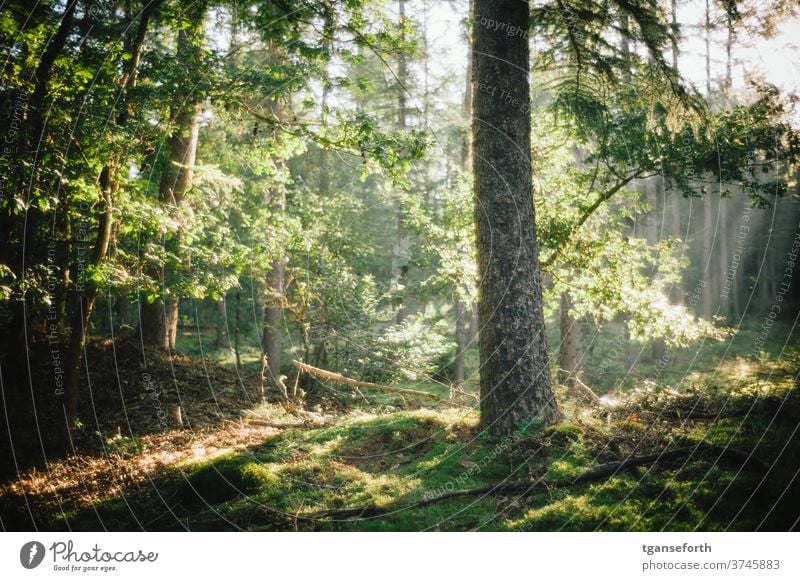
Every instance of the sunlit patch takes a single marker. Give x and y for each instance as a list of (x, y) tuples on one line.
[(610, 400)]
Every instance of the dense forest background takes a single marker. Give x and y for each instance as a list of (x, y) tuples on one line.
[(245, 280)]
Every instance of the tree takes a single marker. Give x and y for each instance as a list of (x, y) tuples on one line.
[(159, 322), (515, 382)]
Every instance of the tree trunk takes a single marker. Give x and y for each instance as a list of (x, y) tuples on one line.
[(272, 339), (674, 18), (570, 353), (708, 48), (724, 260), (400, 259), (706, 263), (464, 323), (159, 324), (459, 372), (83, 314), (223, 337), (108, 184), (275, 199), (516, 390)]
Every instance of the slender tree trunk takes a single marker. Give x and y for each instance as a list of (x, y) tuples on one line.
[(706, 262), (402, 247), (272, 339), (708, 47), (108, 184), (655, 221), (83, 314), (724, 259), (570, 353), (674, 18), (516, 390), (463, 321), (274, 297), (223, 340), (459, 371)]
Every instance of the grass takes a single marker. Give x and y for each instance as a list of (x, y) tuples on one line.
[(395, 458), (383, 454)]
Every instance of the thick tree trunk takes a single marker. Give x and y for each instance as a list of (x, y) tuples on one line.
[(724, 235), (516, 390)]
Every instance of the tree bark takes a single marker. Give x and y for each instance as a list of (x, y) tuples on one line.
[(516, 390)]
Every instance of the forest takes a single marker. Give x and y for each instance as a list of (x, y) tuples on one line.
[(399, 265)]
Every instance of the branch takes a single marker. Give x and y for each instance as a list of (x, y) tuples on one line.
[(601, 199), (339, 378)]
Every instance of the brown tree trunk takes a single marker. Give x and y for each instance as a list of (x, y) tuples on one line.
[(724, 264), (159, 323), (570, 352), (516, 390)]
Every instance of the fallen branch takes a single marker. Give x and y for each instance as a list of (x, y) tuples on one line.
[(339, 378), (286, 425), (527, 487)]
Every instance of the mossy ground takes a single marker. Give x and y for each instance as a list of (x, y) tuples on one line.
[(386, 453), (395, 458)]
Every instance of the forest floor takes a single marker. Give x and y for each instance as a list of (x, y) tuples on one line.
[(719, 452)]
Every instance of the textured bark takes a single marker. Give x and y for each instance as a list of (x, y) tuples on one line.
[(516, 389), (674, 18)]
